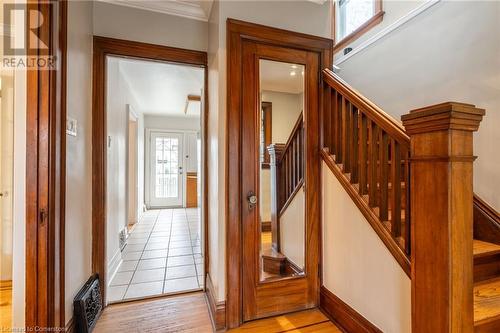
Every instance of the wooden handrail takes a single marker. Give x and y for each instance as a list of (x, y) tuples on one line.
[(291, 165), (287, 175), (298, 125), (383, 165), (383, 119), (368, 151)]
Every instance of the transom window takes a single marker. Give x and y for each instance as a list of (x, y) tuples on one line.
[(355, 17)]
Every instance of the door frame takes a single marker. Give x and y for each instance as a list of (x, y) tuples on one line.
[(103, 47), (237, 33), (46, 172)]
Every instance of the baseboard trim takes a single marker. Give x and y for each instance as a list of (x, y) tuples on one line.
[(113, 265), (70, 326), (343, 314), (217, 310)]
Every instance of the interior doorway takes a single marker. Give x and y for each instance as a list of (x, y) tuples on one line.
[(150, 126)]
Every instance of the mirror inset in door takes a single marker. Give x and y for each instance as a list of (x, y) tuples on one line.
[(281, 171)]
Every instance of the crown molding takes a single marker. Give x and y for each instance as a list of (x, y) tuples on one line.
[(195, 9)]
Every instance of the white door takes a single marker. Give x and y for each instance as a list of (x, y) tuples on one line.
[(191, 151), (166, 174)]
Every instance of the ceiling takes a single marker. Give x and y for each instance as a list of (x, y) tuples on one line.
[(193, 9), (277, 76), (162, 88)]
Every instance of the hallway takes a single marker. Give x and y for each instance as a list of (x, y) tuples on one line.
[(162, 256)]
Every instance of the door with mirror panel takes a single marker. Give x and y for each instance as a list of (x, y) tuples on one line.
[(280, 217)]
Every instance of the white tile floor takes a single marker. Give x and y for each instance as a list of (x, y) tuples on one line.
[(162, 256)]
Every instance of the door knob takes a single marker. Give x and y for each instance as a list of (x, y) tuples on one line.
[(252, 199)]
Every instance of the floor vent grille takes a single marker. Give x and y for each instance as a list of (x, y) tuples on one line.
[(88, 305)]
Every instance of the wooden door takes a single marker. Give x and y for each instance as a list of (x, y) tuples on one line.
[(262, 298)]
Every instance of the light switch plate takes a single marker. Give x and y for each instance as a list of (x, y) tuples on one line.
[(71, 125)]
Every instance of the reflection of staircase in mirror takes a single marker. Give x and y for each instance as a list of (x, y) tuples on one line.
[(287, 179)]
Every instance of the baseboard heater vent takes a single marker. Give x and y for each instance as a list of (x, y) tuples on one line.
[(88, 305)]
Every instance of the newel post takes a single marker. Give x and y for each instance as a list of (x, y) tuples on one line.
[(275, 152), (441, 216)]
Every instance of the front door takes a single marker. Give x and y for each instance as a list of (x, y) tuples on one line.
[(166, 174)]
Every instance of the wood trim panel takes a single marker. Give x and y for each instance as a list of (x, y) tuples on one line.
[(368, 213), (237, 32), (364, 28), (217, 310), (486, 221), (343, 315), (103, 47), (45, 171)]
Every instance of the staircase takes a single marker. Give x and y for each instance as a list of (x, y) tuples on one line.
[(369, 153), (486, 248)]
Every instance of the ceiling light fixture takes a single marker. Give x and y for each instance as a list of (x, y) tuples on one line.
[(293, 73), (294, 66)]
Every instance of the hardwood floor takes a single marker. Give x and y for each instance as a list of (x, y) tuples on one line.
[(189, 313), (303, 321), (5, 305), (183, 313)]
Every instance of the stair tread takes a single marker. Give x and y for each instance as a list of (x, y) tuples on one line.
[(482, 249), (487, 300)]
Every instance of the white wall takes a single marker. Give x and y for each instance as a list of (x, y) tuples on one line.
[(286, 110), (118, 97), (149, 27), (394, 10), (19, 206), (78, 252), (449, 52), (6, 174), (173, 123), (292, 230), (357, 266), (140, 164), (302, 16)]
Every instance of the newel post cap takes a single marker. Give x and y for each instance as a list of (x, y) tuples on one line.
[(444, 116), (276, 148), (275, 151)]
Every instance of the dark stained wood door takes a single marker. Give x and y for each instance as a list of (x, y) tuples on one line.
[(266, 298)]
